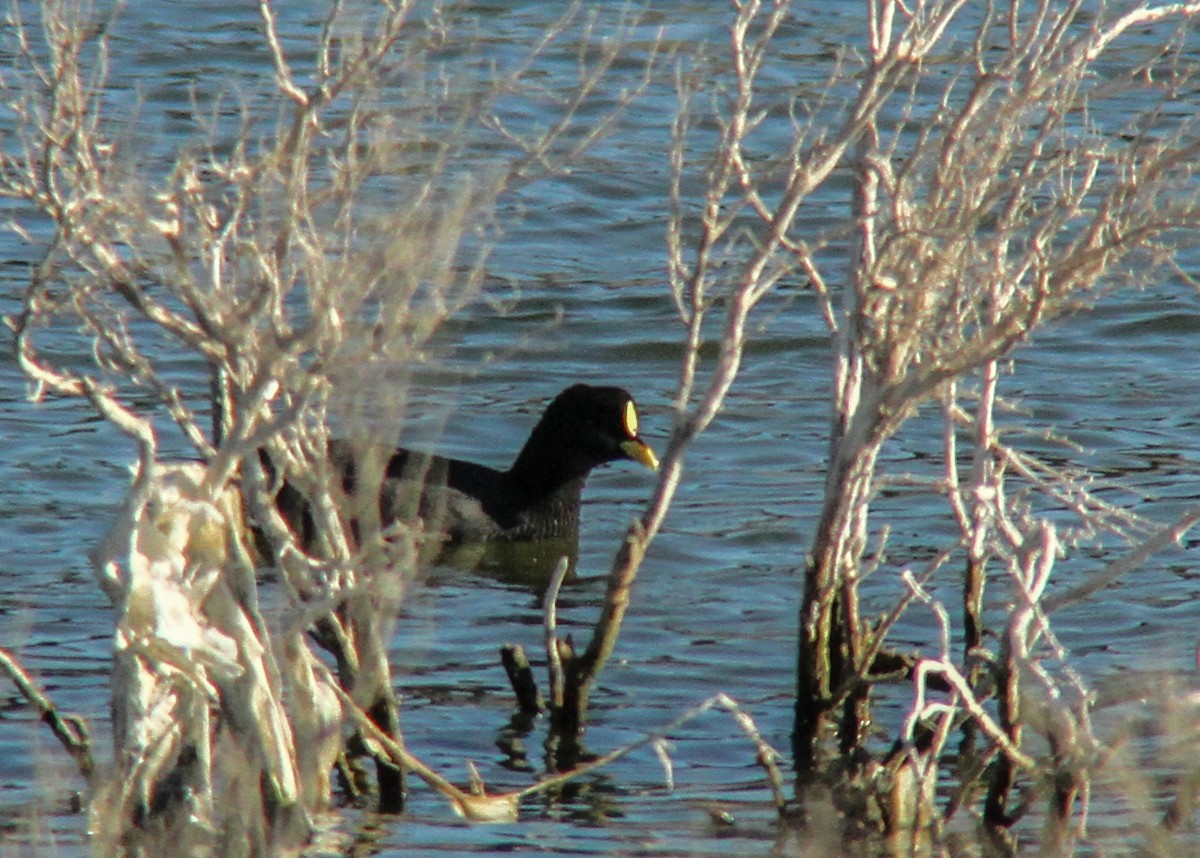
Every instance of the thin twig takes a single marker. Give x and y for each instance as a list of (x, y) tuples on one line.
[(553, 656), (71, 730)]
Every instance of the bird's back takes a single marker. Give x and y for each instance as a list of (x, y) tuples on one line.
[(467, 502)]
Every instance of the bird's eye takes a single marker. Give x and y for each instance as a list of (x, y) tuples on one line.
[(631, 421)]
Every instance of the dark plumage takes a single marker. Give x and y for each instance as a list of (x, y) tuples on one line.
[(463, 502)]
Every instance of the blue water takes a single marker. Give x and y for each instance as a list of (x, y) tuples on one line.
[(576, 291)]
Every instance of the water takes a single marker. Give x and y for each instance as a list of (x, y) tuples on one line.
[(576, 292)]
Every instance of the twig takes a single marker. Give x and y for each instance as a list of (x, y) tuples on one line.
[(71, 730), (520, 677), (553, 656), (1163, 538), (1142, 16), (961, 688), (767, 755), (283, 72), (478, 806), (971, 703), (472, 806)]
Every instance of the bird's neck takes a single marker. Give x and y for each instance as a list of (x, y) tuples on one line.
[(541, 467)]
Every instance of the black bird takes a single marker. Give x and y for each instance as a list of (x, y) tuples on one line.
[(464, 503)]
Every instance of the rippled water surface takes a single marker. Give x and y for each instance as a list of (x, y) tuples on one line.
[(577, 293)]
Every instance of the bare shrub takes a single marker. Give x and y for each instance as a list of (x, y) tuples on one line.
[(315, 242), (987, 200)]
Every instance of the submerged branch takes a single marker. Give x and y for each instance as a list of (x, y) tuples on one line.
[(479, 806)]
